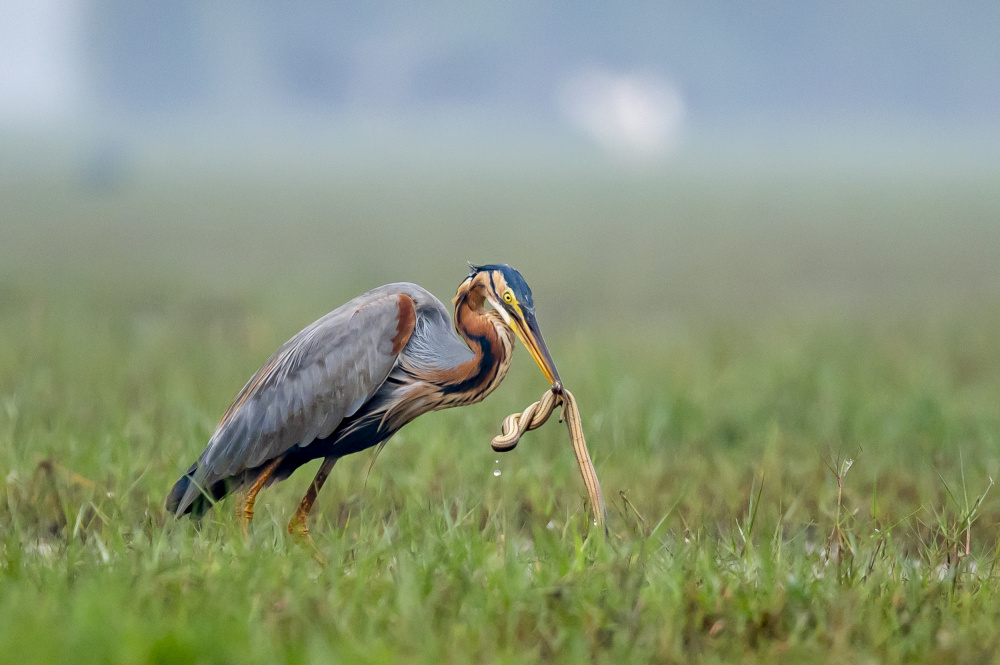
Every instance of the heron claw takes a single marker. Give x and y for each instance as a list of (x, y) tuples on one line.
[(298, 530), (297, 527), (244, 515)]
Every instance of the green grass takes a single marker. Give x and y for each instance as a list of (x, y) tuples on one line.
[(790, 389)]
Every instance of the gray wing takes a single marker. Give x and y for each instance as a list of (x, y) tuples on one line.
[(322, 375), (434, 346)]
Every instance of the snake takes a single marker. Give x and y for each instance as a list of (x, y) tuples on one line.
[(534, 416)]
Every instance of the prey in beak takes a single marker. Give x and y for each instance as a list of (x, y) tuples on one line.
[(509, 295)]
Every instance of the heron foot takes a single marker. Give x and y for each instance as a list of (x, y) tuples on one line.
[(297, 527), (244, 514), (299, 531), (244, 509)]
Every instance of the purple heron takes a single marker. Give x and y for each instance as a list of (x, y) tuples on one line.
[(353, 378)]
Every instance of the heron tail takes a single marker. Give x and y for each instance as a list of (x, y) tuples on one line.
[(182, 501)]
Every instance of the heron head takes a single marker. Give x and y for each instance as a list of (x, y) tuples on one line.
[(509, 295)]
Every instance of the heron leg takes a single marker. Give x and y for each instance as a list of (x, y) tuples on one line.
[(244, 512), (297, 525)]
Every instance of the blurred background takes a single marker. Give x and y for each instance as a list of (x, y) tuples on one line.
[(763, 240), (661, 157), (760, 237)]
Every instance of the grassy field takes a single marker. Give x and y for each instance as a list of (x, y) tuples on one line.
[(790, 388)]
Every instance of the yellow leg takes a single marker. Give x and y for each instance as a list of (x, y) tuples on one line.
[(297, 525), (245, 512)]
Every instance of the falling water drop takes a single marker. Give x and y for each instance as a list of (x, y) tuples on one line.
[(496, 472)]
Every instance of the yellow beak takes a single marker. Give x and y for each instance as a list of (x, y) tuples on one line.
[(526, 329)]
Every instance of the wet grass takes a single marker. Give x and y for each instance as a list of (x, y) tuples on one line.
[(795, 423)]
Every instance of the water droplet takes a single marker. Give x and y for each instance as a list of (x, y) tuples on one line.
[(496, 461), (496, 472)]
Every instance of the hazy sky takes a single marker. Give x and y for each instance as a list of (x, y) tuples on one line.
[(631, 74)]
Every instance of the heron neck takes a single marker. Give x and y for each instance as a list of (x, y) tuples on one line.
[(491, 342)]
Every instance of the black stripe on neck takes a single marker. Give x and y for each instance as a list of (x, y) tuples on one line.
[(489, 360)]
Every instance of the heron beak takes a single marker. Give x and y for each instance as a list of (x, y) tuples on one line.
[(527, 331)]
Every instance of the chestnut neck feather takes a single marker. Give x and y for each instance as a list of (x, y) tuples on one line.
[(490, 340)]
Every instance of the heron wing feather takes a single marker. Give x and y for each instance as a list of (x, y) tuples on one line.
[(322, 375)]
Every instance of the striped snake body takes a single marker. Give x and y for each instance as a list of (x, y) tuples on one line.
[(533, 417)]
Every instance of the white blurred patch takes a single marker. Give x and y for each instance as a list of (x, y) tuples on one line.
[(632, 115), (39, 68)]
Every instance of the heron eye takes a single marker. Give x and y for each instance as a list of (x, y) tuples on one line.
[(508, 297)]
